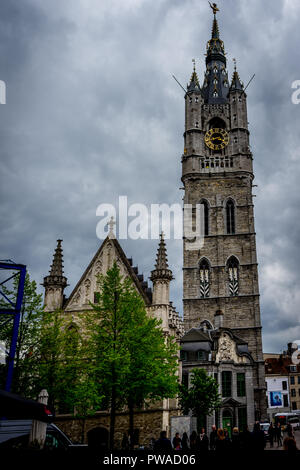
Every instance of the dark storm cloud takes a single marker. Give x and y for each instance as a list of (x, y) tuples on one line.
[(93, 113)]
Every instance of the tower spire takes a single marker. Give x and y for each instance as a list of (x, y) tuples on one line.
[(215, 86), (236, 83), (161, 274), (194, 81), (56, 269), (55, 282)]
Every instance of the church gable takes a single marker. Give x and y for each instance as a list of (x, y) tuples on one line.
[(109, 252)]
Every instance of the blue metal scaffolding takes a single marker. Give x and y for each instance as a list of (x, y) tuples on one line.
[(12, 307)]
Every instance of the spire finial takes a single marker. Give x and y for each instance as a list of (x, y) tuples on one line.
[(111, 224), (234, 61), (194, 65), (214, 8)]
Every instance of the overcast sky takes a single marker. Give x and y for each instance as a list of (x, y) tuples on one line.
[(93, 113)]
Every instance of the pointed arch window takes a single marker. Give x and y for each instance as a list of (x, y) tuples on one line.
[(204, 278), (230, 217), (206, 217), (215, 94), (233, 276)]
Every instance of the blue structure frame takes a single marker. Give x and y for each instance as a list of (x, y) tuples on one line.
[(14, 308)]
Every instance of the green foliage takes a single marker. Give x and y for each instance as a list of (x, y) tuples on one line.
[(202, 398)]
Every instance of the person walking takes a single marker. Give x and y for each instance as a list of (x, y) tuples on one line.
[(163, 444), (246, 439), (236, 440), (258, 438), (177, 442), (278, 432), (220, 442), (212, 438), (185, 442), (271, 434), (193, 441), (289, 430), (203, 441)]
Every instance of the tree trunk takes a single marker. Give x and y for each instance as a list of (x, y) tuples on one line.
[(112, 418), (131, 423)]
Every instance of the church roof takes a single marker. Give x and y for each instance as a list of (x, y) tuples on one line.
[(138, 279), (195, 334)]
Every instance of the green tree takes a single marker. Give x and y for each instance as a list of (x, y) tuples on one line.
[(133, 362), (202, 397)]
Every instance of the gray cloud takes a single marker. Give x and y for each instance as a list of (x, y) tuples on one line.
[(93, 113)]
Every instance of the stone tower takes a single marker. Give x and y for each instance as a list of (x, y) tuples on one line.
[(220, 281), (55, 283)]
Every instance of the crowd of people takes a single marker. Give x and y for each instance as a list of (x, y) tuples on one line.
[(219, 440)]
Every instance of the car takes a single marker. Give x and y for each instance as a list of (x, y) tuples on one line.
[(14, 434)]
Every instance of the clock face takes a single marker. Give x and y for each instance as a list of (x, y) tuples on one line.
[(216, 138)]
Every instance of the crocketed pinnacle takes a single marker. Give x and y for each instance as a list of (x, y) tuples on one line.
[(236, 83), (161, 256), (194, 81), (56, 276), (161, 270), (56, 268)]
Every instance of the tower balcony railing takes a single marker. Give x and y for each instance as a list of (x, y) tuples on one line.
[(217, 163)]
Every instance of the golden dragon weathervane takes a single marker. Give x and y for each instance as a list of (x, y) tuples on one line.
[(214, 7)]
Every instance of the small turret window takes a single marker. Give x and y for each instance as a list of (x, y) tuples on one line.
[(225, 84), (197, 124), (215, 81), (215, 70), (223, 71), (190, 100), (215, 94), (235, 139), (196, 99)]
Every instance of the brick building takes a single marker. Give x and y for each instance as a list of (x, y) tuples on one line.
[(220, 279)]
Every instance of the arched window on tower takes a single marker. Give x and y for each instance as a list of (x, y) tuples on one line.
[(233, 276), (206, 216), (230, 217), (204, 278)]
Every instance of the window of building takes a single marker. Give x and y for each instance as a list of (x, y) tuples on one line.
[(183, 355), (201, 356), (299, 392), (226, 383), (293, 368), (230, 217), (292, 380), (293, 392), (206, 216), (233, 275), (285, 400), (241, 384), (298, 379), (284, 385), (204, 278), (215, 94), (235, 139), (294, 405), (96, 297), (216, 378), (196, 99), (196, 124)]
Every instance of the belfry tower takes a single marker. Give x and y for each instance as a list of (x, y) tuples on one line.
[(220, 281)]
